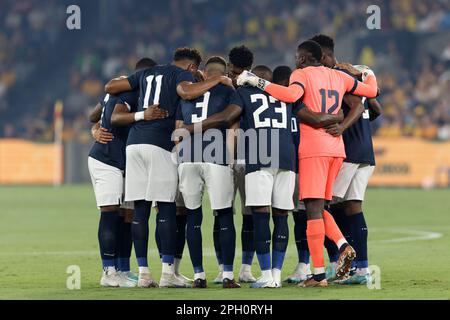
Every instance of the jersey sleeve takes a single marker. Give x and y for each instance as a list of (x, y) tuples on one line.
[(292, 93), (297, 106), (134, 79), (184, 76), (368, 88)]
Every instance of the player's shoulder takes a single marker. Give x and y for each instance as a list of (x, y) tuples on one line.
[(222, 89)]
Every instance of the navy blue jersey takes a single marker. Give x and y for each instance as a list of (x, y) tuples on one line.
[(358, 138), (157, 85), (266, 115), (197, 110), (113, 153)]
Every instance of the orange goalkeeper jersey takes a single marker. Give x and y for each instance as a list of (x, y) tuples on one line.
[(322, 90)]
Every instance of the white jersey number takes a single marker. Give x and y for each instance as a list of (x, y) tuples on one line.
[(204, 106), (267, 122), (158, 80)]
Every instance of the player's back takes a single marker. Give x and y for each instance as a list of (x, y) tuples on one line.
[(358, 138), (113, 153), (324, 90), (265, 114), (193, 111), (157, 85)]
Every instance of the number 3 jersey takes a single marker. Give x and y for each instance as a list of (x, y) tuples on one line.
[(324, 89), (157, 85), (270, 121), (204, 147)]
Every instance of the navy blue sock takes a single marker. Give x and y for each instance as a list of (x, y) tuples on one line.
[(216, 238), (194, 238), (262, 238), (280, 240), (227, 238), (332, 250), (301, 242), (125, 245), (359, 234), (158, 238), (167, 229), (139, 230), (342, 222), (107, 237), (247, 239), (181, 235)]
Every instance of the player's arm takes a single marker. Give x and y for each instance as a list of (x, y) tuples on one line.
[(226, 119), (118, 85), (375, 109), (96, 114), (189, 90), (286, 94), (356, 110), (122, 116), (318, 119)]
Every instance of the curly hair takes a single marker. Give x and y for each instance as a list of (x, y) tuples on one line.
[(241, 57), (186, 53), (324, 41)]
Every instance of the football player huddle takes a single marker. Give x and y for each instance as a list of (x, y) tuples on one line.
[(287, 141)]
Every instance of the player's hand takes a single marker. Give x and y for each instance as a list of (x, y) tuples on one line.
[(335, 130), (365, 71), (340, 115), (350, 69), (226, 81), (247, 78), (155, 112), (102, 135)]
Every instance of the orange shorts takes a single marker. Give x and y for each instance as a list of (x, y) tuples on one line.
[(317, 175)]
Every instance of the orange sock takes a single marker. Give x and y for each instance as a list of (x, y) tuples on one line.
[(315, 234), (332, 230)]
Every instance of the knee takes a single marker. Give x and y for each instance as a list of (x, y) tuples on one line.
[(109, 208), (279, 212)]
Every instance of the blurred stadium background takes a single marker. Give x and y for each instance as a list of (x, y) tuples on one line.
[(43, 65)]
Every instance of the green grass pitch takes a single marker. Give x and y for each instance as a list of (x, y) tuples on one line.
[(43, 230)]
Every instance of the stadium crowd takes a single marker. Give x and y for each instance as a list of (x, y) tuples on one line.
[(415, 101)]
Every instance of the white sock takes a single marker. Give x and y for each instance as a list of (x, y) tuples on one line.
[(110, 270), (200, 275), (341, 242), (276, 274), (228, 274), (177, 263), (245, 268), (168, 268), (362, 271), (144, 270), (333, 265), (266, 275), (319, 270)]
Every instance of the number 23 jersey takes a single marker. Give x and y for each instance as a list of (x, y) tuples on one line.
[(271, 120)]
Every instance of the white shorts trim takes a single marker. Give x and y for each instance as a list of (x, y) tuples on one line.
[(108, 183), (351, 182), (270, 187), (218, 180), (151, 174)]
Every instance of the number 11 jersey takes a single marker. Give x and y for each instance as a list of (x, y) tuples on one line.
[(157, 85)]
